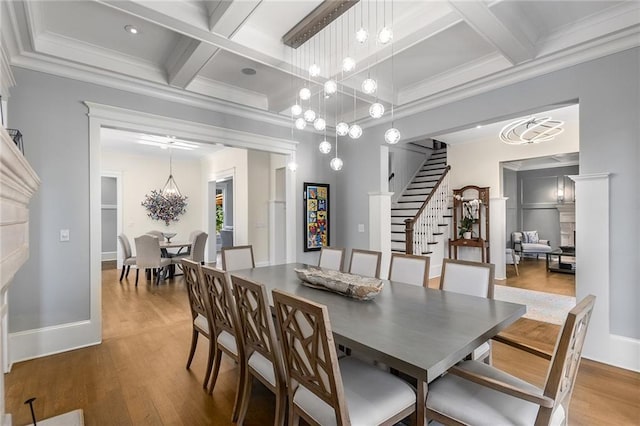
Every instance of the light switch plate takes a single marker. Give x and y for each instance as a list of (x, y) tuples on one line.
[(64, 235), (361, 227)]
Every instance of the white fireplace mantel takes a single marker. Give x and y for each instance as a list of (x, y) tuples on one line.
[(18, 183)]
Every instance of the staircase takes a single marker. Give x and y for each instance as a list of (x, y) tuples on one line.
[(412, 198)]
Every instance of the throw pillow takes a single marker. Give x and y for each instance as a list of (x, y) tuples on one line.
[(531, 237)]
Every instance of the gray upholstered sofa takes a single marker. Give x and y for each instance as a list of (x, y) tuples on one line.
[(524, 243)]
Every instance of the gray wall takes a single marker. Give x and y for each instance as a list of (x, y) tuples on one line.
[(510, 190), (49, 112), (537, 201), (109, 215), (609, 95)]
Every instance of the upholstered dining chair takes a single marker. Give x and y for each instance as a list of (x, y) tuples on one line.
[(365, 263), (476, 393), (128, 259), (263, 356), (196, 249), (324, 390), (148, 256), (474, 279), (157, 234), (199, 316), (410, 269), (237, 257), (331, 258), (221, 307)]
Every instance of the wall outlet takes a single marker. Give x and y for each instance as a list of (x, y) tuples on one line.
[(361, 227), (64, 235)]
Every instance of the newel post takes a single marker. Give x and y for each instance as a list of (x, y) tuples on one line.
[(408, 231)]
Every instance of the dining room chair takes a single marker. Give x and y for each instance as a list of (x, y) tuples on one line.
[(200, 322), (365, 263), (221, 307), (474, 279), (157, 234), (473, 392), (331, 258), (410, 269), (149, 256), (237, 257), (195, 251), (324, 390), (263, 356), (128, 259)]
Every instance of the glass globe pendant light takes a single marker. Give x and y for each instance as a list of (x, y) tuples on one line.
[(369, 86), (320, 124), (301, 123), (336, 164), (330, 87), (310, 115), (305, 93), (392, 136), (348, 64), (296, 110), (324, 147), (385, 35), (362, 35), (314, 70), (376, 110), (355, 131), (342, 128)]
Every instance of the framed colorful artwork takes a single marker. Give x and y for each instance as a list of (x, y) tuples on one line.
[(316, 216)]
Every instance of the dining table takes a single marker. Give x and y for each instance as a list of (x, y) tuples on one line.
[(180, 245), (421, 332)]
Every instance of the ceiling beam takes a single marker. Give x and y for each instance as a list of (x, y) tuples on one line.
[(185, 64), (314, 22), (511, 42)]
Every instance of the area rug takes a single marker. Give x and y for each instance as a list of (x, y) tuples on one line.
[(546, 307)]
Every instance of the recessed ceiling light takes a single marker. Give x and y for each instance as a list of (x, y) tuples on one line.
[(248, 71), (131, 29), (479, 126)]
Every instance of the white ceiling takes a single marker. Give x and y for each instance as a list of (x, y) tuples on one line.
[(199, 47)]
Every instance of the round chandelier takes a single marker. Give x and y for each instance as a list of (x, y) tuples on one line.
[(531, 130)]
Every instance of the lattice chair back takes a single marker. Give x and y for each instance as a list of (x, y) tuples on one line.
[(193, 281), (566, 359), (309, 351), (219, 301)]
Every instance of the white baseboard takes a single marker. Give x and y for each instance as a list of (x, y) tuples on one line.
[(623, 352), (109, 255), (30, 344)]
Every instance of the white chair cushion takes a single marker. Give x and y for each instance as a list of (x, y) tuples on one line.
[(471, 403), (535, 248), (201, 322), (467, 279), (408, 270), (331, 259), (263, 367), (364, 264), (227, 340), (372, 396)]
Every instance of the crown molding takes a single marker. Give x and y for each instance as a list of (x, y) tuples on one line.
[(216, 89), (7, 81)]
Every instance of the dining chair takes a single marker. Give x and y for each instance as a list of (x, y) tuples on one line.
[(324, 390), (474, 279), (157, 234), (221, 307), (199, 316), (331, 258), (148, 256), (237, 257), (128, 259), (195, 251), (476, 393), (263, 357), (410, 269), (365, 263)]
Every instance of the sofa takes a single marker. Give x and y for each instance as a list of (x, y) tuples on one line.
[(528, 243)]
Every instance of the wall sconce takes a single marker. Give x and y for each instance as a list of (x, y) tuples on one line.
[(560, 191)]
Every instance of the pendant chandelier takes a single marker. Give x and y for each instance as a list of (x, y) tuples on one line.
[(531, 130), (326, 44), (170, 188)]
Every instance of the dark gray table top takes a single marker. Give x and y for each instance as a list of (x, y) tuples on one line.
[(420, 331)]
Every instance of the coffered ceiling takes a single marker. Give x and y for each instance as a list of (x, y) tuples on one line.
[(196, 50)]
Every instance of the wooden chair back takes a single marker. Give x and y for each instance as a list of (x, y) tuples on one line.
[(256, 323), (126, 246), (365, 263), (472, 278), (410, 269), (193, 282), (566, 359), (331, 258), (218, 301), (147, 251), (237, 257), (309, 351)]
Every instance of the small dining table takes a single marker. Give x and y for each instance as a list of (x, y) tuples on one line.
[(419, 331), (164, 245)]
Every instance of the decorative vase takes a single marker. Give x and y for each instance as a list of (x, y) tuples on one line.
[(467, 235)]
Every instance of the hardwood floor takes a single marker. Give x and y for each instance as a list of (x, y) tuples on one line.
[(137, 375), (534, 276)]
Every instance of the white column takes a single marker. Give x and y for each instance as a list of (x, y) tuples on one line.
[(592, 260), (380, 227), (498, 239)]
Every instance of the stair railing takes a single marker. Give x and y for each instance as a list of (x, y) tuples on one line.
[(420, 229)]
